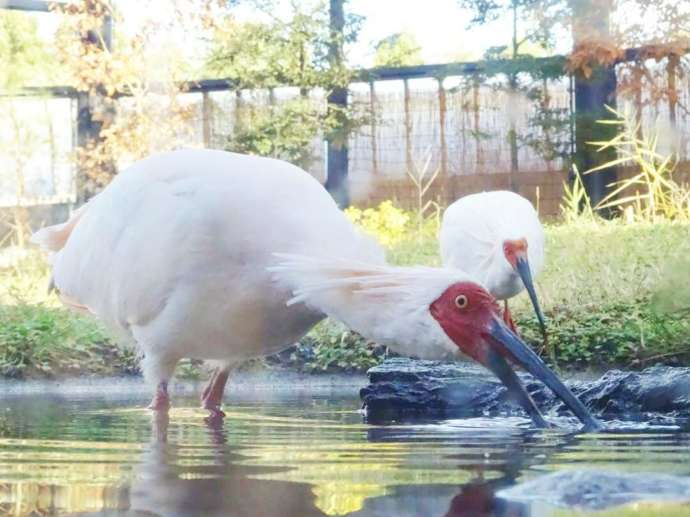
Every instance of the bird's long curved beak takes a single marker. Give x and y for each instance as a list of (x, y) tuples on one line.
[(510, 346), (522, 267)]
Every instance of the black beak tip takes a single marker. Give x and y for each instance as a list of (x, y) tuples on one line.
[(593, 426), (512, 346)]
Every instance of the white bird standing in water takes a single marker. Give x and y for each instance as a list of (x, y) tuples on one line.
[(178, 253), (497, 238)]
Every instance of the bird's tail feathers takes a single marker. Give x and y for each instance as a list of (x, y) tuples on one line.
[(53, 238)]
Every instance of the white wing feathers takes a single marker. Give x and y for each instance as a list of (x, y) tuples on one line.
[(331, 283)]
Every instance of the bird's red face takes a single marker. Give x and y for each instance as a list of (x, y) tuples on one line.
[(515, 250), (465, 311), (471, 318)]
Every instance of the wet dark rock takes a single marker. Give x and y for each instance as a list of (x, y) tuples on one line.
[(597, 490), (659, 389), (11, 372), (404, 388)]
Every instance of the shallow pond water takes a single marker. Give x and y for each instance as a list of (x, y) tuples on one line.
[(288, 447)]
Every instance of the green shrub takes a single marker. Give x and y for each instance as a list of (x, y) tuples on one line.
[(38, 340), (626, 335), (285, 131), (386, 222), (613, 294), (338, 348)]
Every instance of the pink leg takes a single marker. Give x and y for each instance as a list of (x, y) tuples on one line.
[(212, 396), (509, 319), (161, 401)]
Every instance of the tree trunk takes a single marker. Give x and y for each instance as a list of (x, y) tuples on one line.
[(337, 154), (89, 128), (592, 94)]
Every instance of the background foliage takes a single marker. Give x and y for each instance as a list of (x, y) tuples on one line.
[(151, 119), (614, 292), (290, 51), (399, 49)]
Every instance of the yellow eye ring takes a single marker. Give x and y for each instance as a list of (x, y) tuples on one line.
[(461, 301)]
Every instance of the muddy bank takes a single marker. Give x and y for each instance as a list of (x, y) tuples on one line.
[(257, 386)]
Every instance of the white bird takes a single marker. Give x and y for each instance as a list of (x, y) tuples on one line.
[(497, 238), (219, 256)]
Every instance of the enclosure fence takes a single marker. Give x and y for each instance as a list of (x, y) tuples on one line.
[(458, 129)]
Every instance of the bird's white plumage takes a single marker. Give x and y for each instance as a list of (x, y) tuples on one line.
[(387, 304), (474, 229), (175, 254)]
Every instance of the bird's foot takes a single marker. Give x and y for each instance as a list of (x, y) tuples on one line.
[(215, 414), (161, 400), (212, 407)]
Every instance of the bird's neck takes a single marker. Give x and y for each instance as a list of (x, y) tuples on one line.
[(387, 304), (396, 312)]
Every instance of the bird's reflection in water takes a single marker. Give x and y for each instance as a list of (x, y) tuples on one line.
[(184, 473), (472, 500), (168, 483), (289, 457), (477, 497)]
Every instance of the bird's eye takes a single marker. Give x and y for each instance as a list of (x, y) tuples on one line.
[(461, 301)]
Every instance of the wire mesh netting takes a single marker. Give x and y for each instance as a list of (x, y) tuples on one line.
[(464, 130)]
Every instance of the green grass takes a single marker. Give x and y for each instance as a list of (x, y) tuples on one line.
[(599, 263), (613, 294), (338, 349), (589, 263), (36, 341)]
